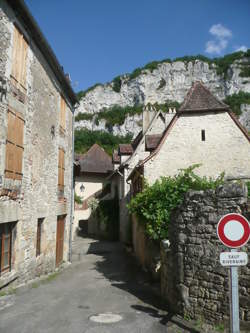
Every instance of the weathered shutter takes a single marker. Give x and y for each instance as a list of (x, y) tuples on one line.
[(63, 113), (14, 146), (19, 61)]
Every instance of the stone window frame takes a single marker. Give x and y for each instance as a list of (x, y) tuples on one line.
[(5, 233)]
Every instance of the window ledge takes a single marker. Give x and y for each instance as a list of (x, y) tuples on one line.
[(8, 277)]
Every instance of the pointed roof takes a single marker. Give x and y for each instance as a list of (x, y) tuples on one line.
[(199, 98), (96, 160)]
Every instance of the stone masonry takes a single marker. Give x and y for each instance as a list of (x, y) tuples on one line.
[(36, 196), (192, 279)]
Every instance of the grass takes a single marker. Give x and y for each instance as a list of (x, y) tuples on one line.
[(8, 291)]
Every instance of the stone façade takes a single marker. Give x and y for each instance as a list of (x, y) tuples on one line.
[(36, 195)]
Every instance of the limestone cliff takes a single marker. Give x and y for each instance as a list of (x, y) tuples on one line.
[(168, 81)]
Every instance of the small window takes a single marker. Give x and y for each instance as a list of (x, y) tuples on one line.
[(203, 135), (5, 246), (39, 237)]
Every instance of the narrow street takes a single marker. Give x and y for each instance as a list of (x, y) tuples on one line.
[(103, 279)]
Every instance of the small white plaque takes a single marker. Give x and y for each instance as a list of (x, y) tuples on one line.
[(233, 258)]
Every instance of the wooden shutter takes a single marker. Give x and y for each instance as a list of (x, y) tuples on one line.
[(59, 239), (61, 169), (19, 60), (14, 146), (63, 113)]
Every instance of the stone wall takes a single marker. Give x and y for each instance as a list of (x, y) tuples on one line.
[(192, 280), (36, 195)]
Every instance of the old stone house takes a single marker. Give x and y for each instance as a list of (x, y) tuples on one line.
[(128, 156), (203, 131), (91, 172), (36, 123)]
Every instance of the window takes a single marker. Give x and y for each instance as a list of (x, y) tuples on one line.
[(39, 237), (62, 114), (19, 60), (203, 135), (14, 146), (5, 246), (61, 169)]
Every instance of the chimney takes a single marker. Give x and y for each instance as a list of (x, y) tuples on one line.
[(148, 114), (169, 116)]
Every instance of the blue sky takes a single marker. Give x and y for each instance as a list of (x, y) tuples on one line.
[(96, 40)]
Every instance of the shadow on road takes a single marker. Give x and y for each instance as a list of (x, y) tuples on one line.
[(124, 273)]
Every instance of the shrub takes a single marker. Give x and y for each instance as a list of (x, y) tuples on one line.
[(84, 116), (235, 101), (78, 199), (117, 83), (155, 203), (116, 115), (85, 138)]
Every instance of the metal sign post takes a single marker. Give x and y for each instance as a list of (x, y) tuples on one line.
[(233, 231), (234, 297)]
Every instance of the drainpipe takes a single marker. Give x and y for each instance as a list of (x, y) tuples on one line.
[(72, 185)]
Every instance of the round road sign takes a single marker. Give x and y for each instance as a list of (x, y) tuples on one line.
[(233, 230)]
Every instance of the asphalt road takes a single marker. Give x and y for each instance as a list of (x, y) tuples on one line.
[(102, 284)]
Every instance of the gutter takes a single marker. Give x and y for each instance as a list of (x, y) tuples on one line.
[(72, 186)]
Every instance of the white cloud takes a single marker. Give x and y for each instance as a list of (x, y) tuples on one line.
[(221, 37), (216, 47), (219, 31), (241, 48)]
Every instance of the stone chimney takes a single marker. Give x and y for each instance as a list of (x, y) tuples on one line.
[(148, 114), (169, 116)]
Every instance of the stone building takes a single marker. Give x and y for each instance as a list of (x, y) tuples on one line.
[(91, 172), (36, 122), (203, 131)]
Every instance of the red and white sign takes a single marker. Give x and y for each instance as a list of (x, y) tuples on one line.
[(233, 230)]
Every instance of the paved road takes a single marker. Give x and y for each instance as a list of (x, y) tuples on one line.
[(102, 280)]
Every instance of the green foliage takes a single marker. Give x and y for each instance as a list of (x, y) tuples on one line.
[(235, 101), (155, 203), (108, 213), (85, 138), (83, 93), (78, 199), (248, 188), (116, 115), (84, 116), (135, 73), (162, 84), (168, 104), (117, 83)]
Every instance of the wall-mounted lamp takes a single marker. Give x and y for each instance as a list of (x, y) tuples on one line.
[(82, 188)]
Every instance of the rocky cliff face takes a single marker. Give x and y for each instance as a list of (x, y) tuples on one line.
[(169, 81)]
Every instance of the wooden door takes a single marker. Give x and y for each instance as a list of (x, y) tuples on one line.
[(59, 239)]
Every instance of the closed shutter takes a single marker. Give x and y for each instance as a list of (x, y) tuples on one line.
[(14, 146), (63, 114), (19, 60), (61, 169)]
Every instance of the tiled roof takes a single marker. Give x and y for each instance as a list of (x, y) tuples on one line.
[(125, 149), (115, 157), (152, 141), (137, 140), (96, 160), (199, 98)]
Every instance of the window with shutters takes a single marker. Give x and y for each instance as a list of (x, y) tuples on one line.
[(5, 246), (61, 169), (14, 146), (19, 60), (62, 115)]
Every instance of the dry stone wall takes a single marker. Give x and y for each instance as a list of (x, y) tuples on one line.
[(192, 279)]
